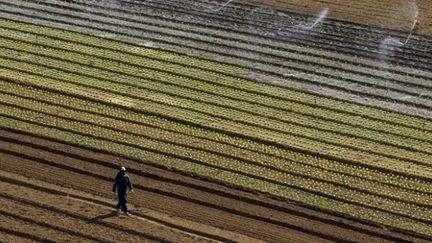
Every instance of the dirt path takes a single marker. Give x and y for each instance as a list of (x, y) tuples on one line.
[(168, 198), (393, 14)]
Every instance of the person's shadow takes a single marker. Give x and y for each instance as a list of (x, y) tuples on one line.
[(101, 217)]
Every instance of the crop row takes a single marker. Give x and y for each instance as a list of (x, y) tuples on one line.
[(239, 179), (96, 128), (189, 106), (291, 56), (164, 105), (131, 12), (259, 111), (223, 143), (311, 74), (118, 47), (220, 149), (180, 48), (377, 92), (189, 100), (215, 80), (233, 142)]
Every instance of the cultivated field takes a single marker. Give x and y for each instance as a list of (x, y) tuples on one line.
[(237, 122)]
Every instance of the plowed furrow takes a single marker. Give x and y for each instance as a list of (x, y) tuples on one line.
[(151, 194), (32, 216), (49, 205), (9, 236)]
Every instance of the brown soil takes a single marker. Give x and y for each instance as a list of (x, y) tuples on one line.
[(68, 198), (393, 14)]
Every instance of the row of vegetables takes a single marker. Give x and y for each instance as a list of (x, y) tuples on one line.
[(228, 120), (190, 99), (143, 128), (232, 82), (255, 151)]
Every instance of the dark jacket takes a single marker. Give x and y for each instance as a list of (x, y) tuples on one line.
[(122, 183)]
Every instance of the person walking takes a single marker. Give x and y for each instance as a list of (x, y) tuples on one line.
[(121, 184)]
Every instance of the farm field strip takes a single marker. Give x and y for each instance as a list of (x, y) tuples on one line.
[(138, 94), (413, 141), (384, 105), (134, 14), (257, 130), (241, 10), (298, 61), (237, 35), (147, 186), (197, 98), (281, 95), (264, 13), (363, 22), (57, 152), (169, 149), (241, 180), (160, 136), (417, 89), (38, 107), (151, 190), (215, 141), (352, 49)]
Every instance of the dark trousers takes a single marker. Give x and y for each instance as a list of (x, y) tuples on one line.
[(122, 201)]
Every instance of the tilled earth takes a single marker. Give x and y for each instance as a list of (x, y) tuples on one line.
[(392, 14)]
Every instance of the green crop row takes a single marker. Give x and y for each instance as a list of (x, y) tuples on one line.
[(218, 90), (218, 79), (179, 139), (95, 129), (248, 118), (145, 52), (228, 144), (164, 104), (165, 86)]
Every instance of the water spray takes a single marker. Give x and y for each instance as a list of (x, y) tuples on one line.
[(308, 26), (415, 20), (220, 8), (322, 16)]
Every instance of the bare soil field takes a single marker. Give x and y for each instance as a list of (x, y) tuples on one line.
[(392, 14)]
